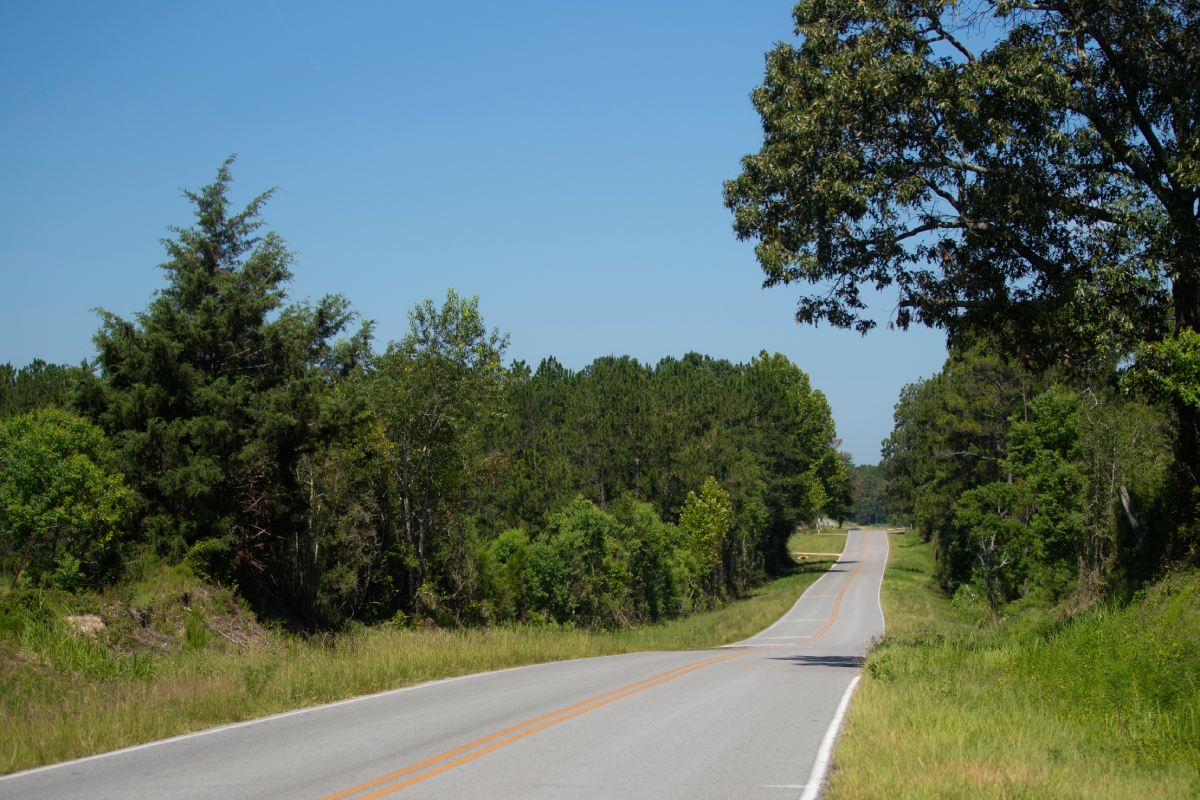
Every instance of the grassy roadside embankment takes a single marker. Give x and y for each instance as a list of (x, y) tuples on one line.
[(175, 656), (1105, 704)]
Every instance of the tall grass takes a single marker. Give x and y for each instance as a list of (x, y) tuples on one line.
[(1106, 704), (63, 695)]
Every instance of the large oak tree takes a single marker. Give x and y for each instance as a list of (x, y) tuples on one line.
[(1027, 168)]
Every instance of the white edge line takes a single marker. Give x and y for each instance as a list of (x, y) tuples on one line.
[(879, 590), (803, 595), (306, 710), (385, 693), (750, 642), (816, 778)]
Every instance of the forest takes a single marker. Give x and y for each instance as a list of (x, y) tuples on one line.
[(267, 446)]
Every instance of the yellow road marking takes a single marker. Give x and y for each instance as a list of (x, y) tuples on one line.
[(837, 603), (547, 720)]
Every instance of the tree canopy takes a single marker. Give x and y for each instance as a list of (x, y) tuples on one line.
[(1054, 168), (1026, 169), (264, 444), (213, 394)]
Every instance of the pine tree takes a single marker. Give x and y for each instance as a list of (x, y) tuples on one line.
[(214, 393)]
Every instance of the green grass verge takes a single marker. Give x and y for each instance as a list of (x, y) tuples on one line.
[(1106, 704), (826, 542), (65, 694)]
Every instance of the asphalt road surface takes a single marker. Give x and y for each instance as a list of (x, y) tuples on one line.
[(743, 721)]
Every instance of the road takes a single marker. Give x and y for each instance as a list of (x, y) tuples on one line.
[(742, 721)]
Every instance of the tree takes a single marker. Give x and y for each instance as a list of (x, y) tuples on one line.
[(994, 518), (790, 430), (1045, 454), (706, 520), (215, 393), (337, 541), (579, 568), (1046, 187), (36, 385), (869, 507), (951, 435), (432, 393), (1096, 466), (60, 499)]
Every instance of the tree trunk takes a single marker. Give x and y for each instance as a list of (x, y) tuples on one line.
[(1185, 544)]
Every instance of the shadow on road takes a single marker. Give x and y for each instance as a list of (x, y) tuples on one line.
[(822, 661)]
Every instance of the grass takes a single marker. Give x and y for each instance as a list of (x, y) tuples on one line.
[(1105, 704), (165, 667), (826, 541)]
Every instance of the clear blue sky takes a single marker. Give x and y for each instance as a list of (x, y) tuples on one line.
[(562, 160)]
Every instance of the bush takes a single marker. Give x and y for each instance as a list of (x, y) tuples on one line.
[(60, 503)]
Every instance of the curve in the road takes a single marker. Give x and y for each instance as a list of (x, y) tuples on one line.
[(742, 723)]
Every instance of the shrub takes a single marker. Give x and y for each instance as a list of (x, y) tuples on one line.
[(59, 501)]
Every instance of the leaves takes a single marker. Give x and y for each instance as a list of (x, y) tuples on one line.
[(1043, 177), (60, 501), (215, 393)]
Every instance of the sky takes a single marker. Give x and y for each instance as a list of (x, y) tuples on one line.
[(561, 160)]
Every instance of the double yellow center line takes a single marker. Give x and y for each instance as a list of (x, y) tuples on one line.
[(837, 603), (464, 753)]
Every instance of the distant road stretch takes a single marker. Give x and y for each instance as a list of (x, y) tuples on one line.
[(743, 721)]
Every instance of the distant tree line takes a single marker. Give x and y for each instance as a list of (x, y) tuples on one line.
[(267, 445), (868, 488)]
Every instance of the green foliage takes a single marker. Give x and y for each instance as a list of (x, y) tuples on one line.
[(794, 435), (214, 394), (663, 573), (37, 385), (706, 521), (995, 187), (994, 519), (271, 451), (592, 567), (1026, 487), (431, 394), (1038, 189), (1045, 455), (506, 561), (657, 433), (22, 607), (339, 539), (60, 503), (1170, 369), (950, 436), (869, 490)]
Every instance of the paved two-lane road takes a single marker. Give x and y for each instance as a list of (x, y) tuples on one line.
[(743, 721)]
